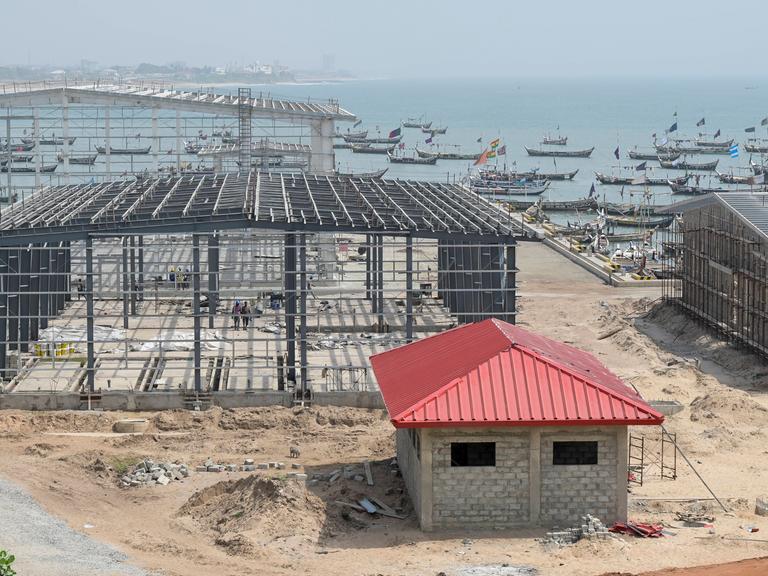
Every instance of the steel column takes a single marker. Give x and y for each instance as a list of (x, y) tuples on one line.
[(303, 313), (380, 281), (196, 310), (124, 272), (132, 276), (3, 312), (45, 282), (89, 319), (213, 278), (24, 257), (409, 288), (509, 285), (34, 292), (141, 268), (13, 299), (290, 302)]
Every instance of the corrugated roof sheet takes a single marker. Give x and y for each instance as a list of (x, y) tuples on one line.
[(494, 373)]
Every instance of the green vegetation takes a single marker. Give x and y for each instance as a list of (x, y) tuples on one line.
[(5, 564), (121, 464)]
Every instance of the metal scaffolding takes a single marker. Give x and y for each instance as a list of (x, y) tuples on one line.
[(719, 266)]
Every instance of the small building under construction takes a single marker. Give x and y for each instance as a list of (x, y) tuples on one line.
[(500, 428), (719, 268)]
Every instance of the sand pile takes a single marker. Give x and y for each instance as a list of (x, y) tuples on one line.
[(19, 422), (251, 511), (729, 407)]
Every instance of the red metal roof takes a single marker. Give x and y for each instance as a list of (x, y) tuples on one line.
[(494, 373)]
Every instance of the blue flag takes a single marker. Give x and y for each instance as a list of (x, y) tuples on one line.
[(734, 151), (673, 128), (592, 190), (717, 133), (701, 122), (428, 140), (750, 129), (640, 167), (395, 133), (616, 152)]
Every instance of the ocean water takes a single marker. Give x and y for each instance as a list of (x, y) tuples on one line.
[(602, 113)]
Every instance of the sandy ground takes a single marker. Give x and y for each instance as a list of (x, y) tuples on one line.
[(230, 523)]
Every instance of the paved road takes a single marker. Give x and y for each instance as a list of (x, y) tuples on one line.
[(45, 546)]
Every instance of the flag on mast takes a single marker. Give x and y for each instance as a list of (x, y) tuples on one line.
[(495, 143), (673, 128), (616, 152), (395, 133), (717, 133), (641, 167), (428, 140), (750, 129), (764, 121), (502, 151), (482, 159), (592, 190), (701, 122), (734, 151)]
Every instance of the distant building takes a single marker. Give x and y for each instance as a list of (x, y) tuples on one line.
[(498, 427), (719, 270)]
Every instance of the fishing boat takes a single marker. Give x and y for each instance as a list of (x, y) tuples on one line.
[(16, 147), (27, 169), (755, 147), (554, 205), (342, 146), (192, 147), (534, 175), (229, 140), (635, 155), (221, 133), (699, 190), (733, 179), (447, 155), (359, 135), (123, 151), (560, 153), (641, 221), (81, 159), (685, 165), (386, 140), (17, 158), (49, 141), (703, 150), (368, 149), (411, 160), (366, 175), (559, 141), (417, 123), (434, 131), (713, 144), (509, 188), (639, 180)]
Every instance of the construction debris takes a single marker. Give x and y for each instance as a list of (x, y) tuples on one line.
[(761, 506), (639, 529), (591, 528), (149, 473)]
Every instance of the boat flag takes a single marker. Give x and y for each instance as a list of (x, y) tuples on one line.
[(750, 129), (653, 135), (701, 122), (641, 167), (395, 133), (492, 154), (479, 139), (482, 159), (356, 124), (592, 190), (675, 114), (622, 192), (734, 151), (673, 128), (764, 121), (502, 151), (616, 152), (401, 145), (717, 133), (495, 143), (428, 140), (759, 179)]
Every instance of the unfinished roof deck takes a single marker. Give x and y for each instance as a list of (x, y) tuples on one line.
[(295, 202)]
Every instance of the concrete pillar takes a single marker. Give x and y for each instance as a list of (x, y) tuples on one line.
[(303, 313), (196, 311), (426, 491), (409, 288), (289, 293), (213, 277), (323, 159), (534, 476), (622, 466), (89, 319)]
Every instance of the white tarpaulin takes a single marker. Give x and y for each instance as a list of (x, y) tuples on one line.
[(62, 334), (171, 340)]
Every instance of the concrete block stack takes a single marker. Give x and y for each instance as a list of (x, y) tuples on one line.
[(591, 528), (150, 473)]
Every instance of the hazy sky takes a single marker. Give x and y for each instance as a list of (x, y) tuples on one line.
[(399, 38)]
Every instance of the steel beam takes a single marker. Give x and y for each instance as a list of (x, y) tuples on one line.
[(132, 275), (213, 278), (24, 261), (409, 288), (289, 294), (45, 282), (509, 285), (34, 292), (141, 268), (196, 311), (3, 313), (303, 313), (89, 319), (380, 281), (124, 273)]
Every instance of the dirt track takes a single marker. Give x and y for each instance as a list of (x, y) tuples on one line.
[(235, 524)]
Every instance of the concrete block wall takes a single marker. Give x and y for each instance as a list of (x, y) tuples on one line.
[(568, 492), (487, 496), (410, 466)]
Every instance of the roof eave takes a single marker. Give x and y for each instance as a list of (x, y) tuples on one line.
[(528, 423)]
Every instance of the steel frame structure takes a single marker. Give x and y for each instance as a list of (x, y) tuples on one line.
[(463, 243)]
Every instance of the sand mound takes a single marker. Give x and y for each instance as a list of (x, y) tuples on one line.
[(18, 422), (242, 512), (729, 407), (297, 418)]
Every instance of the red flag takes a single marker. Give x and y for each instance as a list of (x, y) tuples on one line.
[(483, 158)]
